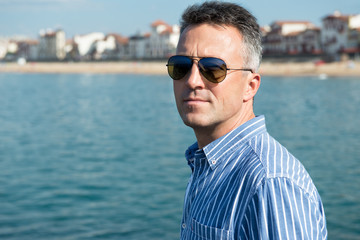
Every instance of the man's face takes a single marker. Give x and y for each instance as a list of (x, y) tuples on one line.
[(203, 104)]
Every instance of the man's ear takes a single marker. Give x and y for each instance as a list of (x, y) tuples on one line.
[(253, 84)]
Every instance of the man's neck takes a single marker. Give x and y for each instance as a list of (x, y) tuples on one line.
[(206, 135)]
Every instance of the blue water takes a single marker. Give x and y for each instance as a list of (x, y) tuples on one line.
[(101, 156)]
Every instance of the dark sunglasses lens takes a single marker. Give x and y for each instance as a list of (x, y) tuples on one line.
[(213, 69), (178, 66)]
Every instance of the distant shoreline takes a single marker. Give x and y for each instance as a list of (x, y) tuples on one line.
[(267, 68)]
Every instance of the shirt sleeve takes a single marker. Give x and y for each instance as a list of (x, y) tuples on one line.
[(280, 209)]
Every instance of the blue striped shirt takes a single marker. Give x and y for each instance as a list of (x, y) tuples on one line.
[(245, 185)]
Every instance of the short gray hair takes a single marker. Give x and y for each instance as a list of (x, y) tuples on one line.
[(225, 13)]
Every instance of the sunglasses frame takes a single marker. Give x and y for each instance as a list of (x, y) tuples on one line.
[(193, 58)]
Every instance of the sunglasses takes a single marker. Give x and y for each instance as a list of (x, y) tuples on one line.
[(213, 69)]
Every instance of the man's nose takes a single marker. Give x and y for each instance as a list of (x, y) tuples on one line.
[(194, 78)]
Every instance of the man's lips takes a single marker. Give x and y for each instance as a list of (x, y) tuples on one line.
[(195, 100)]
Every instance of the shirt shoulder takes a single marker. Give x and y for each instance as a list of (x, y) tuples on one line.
[(281, 210), (286, 204), (278, 162)]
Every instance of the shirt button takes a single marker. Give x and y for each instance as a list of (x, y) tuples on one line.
[(183, 225), (213, 162)]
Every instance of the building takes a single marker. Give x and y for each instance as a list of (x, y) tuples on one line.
[(311, 41), (162, 41), (85, 45), (291, 38), (97, 46), (12, 50), (28, 49), (307, 42), (51, 45), (341, 34), (3, 47), (137, 46), (112, 47)]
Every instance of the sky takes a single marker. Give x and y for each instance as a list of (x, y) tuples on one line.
[(28, 17)]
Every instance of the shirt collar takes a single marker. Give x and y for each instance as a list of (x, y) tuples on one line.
[(222, 147), (190, 152)]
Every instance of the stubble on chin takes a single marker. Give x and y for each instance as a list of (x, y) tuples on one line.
[(194, 118)]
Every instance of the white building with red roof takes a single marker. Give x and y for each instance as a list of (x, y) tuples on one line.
[(112, 47), (341, 34), (163, 40), (85, 43), (292, 37)]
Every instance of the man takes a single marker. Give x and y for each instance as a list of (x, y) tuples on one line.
[(244, 184)]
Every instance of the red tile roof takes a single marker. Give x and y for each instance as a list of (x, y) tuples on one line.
[(294, 33), (25, 42), (338, 15), (292, 22), (168, 30), (158, 23), (119, 38)]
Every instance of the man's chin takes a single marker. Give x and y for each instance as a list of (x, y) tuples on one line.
[(195, 123)]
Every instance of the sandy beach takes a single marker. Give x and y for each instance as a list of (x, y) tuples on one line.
[(267, 68)]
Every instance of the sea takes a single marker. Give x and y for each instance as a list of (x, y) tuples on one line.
[(101, 156)]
